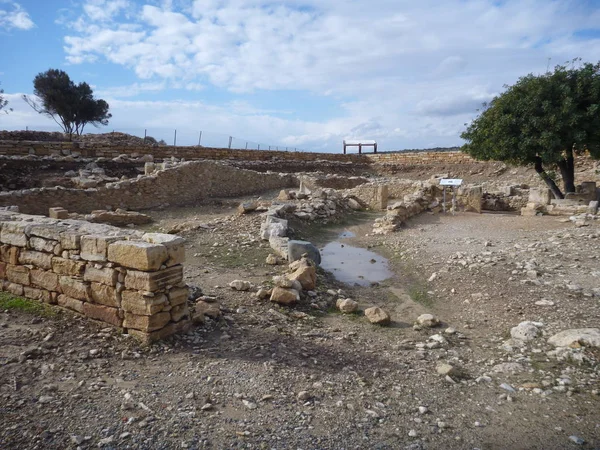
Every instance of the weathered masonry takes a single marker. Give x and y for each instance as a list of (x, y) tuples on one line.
[(125, 278)]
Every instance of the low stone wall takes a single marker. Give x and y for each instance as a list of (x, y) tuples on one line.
[(183, 184), (454, 157), (120, 277)]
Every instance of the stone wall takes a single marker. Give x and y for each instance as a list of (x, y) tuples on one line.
[(183, 184), (418, 158), (120, 277), (22, 148)]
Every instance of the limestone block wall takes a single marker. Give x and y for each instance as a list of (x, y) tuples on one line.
[(120, 277), (182, 184), (422, 158)]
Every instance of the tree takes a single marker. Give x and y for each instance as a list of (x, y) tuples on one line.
[(70, 105), (544, 120), (3, 102)]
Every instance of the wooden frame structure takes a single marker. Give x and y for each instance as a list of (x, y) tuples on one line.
[(360, 144)]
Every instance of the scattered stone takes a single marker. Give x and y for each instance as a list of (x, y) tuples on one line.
[(297, 249), (304, 396), (577, 440), (574, 338), (246, 207), (377, 316), (346, 305), (285, 296), (447, 369), (240, 285), (428, 320), (525, 331)]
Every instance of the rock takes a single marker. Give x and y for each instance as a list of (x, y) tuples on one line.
[(509, 367), (577, 440), (120, 217), (296, 249), (574, 338), (240, 285), (248, 404), (263, 293), (507, 387), (284, 195), (45, 399), (447, 369), (354, 205), (427, 320), (306, 274), (272, 259), (423, 410), (246, 207), (304, 396), (377, 316), (283, 282), (284, 296), (203, 308), (544, 303), (347, 305), (525, 331)]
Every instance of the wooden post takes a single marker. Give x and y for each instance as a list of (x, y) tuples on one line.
[(359, 149), (375, 147), (230, 139), (175, 139), (199, 139), (145, 135)]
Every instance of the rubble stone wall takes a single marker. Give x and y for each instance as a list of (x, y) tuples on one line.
[(453, 157), (124, 278), (182, 184)]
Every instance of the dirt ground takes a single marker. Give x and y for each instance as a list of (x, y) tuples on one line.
[(307, 377)]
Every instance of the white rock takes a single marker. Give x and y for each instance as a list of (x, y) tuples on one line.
[(580, 337), (240, 285), (525, 331)]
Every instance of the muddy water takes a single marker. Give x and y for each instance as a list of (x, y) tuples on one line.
[(353, 265)]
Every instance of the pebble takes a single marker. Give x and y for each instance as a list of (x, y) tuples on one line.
[(577, 440), (413, 433), (423, 409), (507, 387)]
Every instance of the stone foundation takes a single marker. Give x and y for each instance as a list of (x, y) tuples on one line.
[(124, 278)]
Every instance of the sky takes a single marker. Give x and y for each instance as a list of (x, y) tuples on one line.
[(296, 74)]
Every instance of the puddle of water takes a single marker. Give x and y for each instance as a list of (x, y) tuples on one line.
[(354, 265)]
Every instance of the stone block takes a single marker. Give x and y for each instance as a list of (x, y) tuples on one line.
[(175, 246), (49, 231), (153, 281), (58, 213), (138, 255), (103, 313), (9, 254), (63, 266), (592, 207), (74, 288), (136, 303), (104, 295), (37, 294), (179, 312), (297, 248), (178, 296), (17, 274), (37, 259), (540, 196), (41, 244), (44, 279), (146, 323), (70, 241), (3, 270), (70, 303), (104, 275), (13, 233), (94, 248), (168, 330), (13, 288)]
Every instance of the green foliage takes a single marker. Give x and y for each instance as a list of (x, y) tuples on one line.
[(10, 302), (70, 105), (543, 116)]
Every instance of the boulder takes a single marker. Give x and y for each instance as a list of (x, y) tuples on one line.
[(203, 308), (284, 296), (306, 274), (246, 207), (377, 316), (296, 249)]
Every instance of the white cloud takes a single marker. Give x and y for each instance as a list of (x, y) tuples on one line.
[(407, 73), (13, 16)]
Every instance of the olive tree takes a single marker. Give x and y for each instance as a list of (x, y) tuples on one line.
[(542, 120), (70, 105)]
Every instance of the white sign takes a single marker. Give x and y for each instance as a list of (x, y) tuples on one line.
[(450, 182)]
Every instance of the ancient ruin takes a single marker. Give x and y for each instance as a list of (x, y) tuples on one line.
[(264, 299)]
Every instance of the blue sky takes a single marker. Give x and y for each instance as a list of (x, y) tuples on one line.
[(294, 73)]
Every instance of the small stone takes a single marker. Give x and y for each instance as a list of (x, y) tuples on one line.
[(413, 433), (207, 407), (272, 260), (577, 440), (525, 331), (248, 404), (45, 399), (507, 387), (423, 409), (304, 396), (446, 369), (544, 303)]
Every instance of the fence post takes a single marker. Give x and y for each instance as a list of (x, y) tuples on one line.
[(246, 145), (145, 135), (269, 147), (175, 139), (199, 139), (230, 139), (258, 146)]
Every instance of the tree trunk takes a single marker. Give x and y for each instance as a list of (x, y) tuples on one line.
[(549, 181), (567, 171)]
